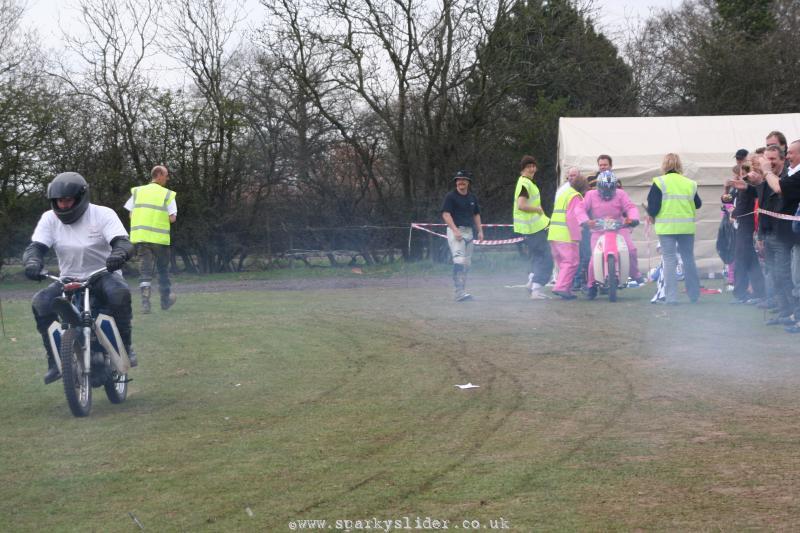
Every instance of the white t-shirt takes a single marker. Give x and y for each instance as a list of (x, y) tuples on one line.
[(83, 246), (172, 208)]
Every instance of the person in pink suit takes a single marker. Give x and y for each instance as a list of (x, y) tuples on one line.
[(608, 201), (564, 232)]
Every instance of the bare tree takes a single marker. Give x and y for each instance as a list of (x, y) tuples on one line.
[(403, 61), (116, 38)]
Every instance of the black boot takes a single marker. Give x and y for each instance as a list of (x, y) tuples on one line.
[(168, 300), (52, 370), (131, 355), (52, 373)]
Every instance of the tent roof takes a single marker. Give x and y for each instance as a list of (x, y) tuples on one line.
[(706, 144)]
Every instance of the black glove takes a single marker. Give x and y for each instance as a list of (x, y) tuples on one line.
[(33, 270), (116, 260), (634, 223)]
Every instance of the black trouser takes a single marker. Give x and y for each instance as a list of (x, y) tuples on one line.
[(747, 270), (111, 293), (541, 259), (779, 258), (154, 257)]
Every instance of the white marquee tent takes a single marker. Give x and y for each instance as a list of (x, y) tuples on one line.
[(637, 145)]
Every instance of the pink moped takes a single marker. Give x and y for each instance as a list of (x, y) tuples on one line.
[(610, 259)]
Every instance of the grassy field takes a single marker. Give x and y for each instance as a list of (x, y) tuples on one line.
[(254, 411)]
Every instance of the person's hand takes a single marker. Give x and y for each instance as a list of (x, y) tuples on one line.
[(115, 260), (33, 270), (480, 235), (538, 210), (632, 222), (457, 235), (591, 224), (760, 246)]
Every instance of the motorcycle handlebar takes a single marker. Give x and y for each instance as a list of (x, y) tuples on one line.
[(89, 279)]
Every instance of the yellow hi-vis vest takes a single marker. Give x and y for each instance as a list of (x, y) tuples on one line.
[(149, 216), (525, 222), (558, 230), (677, 213)]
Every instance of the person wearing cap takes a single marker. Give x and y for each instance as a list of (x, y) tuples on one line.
[(462, 214), (531, 222), (86, 238)]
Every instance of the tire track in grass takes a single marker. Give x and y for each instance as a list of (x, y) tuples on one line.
[(480, 438), (471, 445), (608, 423), (605, 424), (494, 421), (355, 346)]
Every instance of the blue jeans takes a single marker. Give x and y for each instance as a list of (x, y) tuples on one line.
[(671, 245)]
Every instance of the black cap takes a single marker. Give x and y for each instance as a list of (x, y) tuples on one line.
[(463, 175), (741, 153)]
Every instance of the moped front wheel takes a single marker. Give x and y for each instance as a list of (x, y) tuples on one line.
[(612, 278), (116, 387), (77, 387)]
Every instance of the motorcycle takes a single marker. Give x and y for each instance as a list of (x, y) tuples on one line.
[(86, 345), (610, 259)]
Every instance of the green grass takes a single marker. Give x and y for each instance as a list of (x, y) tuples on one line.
[(340, 404)]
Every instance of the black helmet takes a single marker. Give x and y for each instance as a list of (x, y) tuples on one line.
[(69, 185)]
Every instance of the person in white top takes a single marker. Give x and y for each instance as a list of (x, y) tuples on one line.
[(85, 237)]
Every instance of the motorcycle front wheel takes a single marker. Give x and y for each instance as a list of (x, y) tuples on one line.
[(117, 387), (77, 387), (612, 279)]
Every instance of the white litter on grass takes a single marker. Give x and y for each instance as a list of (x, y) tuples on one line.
[(468, 386), (249, 512), (238, 385)]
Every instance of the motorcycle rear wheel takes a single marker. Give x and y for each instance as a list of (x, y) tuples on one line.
[(77, 386), (612, 279)]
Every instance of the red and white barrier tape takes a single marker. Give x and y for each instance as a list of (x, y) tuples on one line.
[(771, 214), (486, 242), (778, 215)]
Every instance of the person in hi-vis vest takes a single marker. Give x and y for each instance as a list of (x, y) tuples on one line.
[(153, 209), (531, 222), (671, 205)]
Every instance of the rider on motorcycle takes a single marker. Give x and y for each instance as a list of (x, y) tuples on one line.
[(86, 237), (608, 201)]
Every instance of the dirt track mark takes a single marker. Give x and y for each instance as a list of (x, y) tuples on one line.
[(472, 443)]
